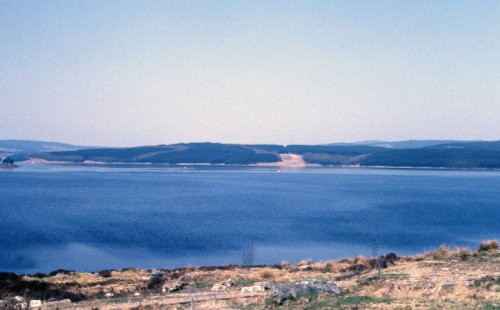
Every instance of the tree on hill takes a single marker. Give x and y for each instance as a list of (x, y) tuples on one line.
[(8, 161)]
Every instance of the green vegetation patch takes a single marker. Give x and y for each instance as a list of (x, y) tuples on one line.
[(387, 276), (244, 282), (336, 302)]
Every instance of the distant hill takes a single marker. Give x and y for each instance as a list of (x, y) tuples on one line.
[(449, 155), (405, 144), (445, 155), (13, 147), (191, 153)]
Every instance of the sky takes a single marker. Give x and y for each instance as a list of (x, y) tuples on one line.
[(123, 73)]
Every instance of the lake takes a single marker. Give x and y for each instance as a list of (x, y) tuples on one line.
[(90, 218)]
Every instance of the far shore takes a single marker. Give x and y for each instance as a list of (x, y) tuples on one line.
[(280, 164)]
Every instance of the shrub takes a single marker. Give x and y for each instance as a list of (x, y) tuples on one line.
[(105, 273), (40, 275), (61, 271), (441, 253), (8, 276), (156, 280), (488, 246), (462, 253)]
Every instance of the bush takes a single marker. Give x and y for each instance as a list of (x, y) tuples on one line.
[(462, 253), (488, 246), (40, 275), (61, 271), (105, 273), (8, 276), (441, 253)]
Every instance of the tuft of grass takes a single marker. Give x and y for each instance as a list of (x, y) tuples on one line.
[(266, 275), (327, 266), (305, 262), (360, 259), (441, 253)]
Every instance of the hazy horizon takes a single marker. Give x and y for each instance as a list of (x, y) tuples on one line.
[(256, 143), (124, 73)]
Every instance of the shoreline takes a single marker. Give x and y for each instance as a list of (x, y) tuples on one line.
[(270, 165)]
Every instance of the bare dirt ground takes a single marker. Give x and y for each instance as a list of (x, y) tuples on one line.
[(440, 279), (288, 161)]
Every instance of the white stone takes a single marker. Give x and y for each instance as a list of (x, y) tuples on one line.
[(35, 303)]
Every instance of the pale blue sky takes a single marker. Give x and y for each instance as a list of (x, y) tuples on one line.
[(150, 72)]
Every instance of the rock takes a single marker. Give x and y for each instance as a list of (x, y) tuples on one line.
[(253, 289), (35, 303), (257, 287), (266, 285), (19, 301), (304, 288), (305, 267), (57, 302), (223, 285), (219, 287), (109, 295), (173, 287)]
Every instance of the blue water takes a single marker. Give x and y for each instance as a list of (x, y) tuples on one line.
[(97, 217)]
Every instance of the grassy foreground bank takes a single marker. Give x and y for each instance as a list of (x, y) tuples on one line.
[(441, 279)]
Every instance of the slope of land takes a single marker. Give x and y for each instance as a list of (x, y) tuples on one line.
[(11, 147), (453, 155), (440, 279), (405, 144), (191, 153), (464, 155)]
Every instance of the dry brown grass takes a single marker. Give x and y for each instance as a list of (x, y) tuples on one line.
[(442, 278), (305, 262), (326, 266), (440, 253)]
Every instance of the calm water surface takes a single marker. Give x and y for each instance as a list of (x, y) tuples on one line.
[(92, 218)]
